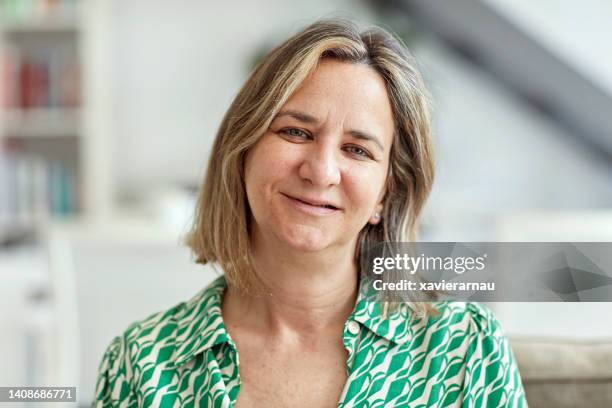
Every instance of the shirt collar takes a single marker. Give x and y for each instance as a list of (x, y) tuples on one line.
[(396, 325), (201, 326)]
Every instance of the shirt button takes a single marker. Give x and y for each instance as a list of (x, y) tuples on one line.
[(353, 327)]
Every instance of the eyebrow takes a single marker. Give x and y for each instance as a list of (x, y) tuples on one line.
[(309, 119)]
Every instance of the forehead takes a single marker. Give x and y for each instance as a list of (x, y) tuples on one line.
[(354, 94)]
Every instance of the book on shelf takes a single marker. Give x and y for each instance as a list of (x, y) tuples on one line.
[(43, 80), (33, 188)]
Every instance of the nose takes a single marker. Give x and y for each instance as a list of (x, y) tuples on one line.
[(320, 166)]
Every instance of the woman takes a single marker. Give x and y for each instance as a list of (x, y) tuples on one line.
[(325, 152)]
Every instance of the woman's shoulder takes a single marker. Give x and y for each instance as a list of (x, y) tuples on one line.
[(163, 339), (467, 328), (465, 316), (170, 325), (158, 322)]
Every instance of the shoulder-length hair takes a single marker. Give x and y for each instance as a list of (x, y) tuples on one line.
[(221, 227)]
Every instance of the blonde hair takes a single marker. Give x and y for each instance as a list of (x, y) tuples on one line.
[(221, 227)]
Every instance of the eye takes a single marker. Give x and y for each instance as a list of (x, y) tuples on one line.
[(294, 132), (359, 151)]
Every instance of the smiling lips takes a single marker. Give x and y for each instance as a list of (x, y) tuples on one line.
[(312, 206)]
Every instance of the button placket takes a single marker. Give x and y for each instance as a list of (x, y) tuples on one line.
[(353, 327), (350, 338)]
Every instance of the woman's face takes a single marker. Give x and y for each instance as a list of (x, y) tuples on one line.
[(317, 176)]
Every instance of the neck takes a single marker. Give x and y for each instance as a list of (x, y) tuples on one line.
[(308, 292)]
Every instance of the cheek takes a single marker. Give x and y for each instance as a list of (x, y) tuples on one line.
[(267, 164), (364, 185)]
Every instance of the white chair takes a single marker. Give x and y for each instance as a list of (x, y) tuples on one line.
[(105, 279)]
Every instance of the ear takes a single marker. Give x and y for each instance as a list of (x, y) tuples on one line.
[(376, 216)]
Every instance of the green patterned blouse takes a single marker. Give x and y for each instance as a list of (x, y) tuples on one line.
[(184, 357)]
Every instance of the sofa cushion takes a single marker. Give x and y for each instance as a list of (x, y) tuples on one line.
[(565, 373)]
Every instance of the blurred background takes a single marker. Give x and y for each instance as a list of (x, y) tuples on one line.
[(109, 109)]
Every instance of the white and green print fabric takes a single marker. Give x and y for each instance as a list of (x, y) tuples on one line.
[(184, 357)]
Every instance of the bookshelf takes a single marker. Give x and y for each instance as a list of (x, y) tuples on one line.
[(49, 158)]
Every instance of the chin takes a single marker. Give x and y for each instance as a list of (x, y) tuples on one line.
[(306, 239)]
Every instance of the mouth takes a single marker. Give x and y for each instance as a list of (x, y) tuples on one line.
[(319, 206)]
